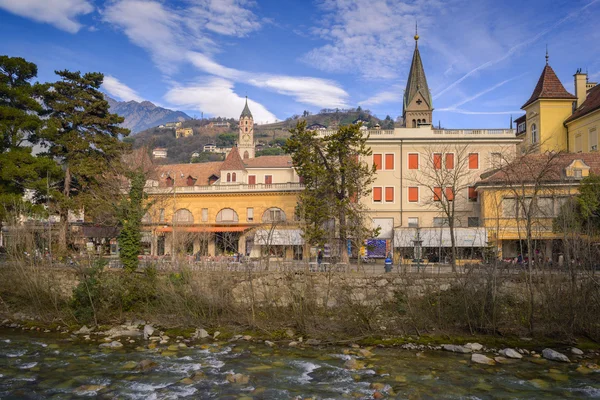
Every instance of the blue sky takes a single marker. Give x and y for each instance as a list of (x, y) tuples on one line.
[(482, 58)]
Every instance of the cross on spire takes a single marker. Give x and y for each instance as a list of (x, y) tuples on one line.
[(547, 57)]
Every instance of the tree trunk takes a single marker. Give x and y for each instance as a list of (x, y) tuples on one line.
[(453, 244), (64, 214), (343, 239)]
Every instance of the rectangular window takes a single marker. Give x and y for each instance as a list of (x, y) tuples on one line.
[(472, 194), (377, 161), (495, 160), (437, 161), (413, 161), (389, 161), (250, 214), (389, 194), (205, 215), (413, 222), (473, 161), (473, 222), (161, 215), (578, 143), (437, 194), (449, 194), (268, 179), (377, 194), (413, 194), (545, 207), (509, 207), (251, 179), (593, 139), (440, 221), (450, 161)]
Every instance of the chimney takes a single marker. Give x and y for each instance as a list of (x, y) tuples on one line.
[(580, 86)]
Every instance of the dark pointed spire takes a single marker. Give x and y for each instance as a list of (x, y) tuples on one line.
[(417, 81), (547, 57), (246, 112)]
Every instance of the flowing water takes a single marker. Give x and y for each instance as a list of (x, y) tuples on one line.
[(45, 366)]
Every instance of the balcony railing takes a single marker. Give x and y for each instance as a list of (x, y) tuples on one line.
[(230, 188), (424, 132)]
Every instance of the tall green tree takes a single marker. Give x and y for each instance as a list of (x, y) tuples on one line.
[(20, 125), (132, 211), (582, 213), (84, 137), (335, 180)]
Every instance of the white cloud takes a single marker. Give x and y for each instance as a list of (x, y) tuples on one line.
[(174, 35), (371, 37), (216, 96), (118, 89), (512, 50), (313, 91), (479, 94), (60, 13), (394, 94)]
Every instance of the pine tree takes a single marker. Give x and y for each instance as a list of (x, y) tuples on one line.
[(83, 136), (20, 124), (335, 180)]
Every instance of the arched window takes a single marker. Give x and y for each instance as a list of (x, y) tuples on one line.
[(424, 121), (414, 123), (183, 216), (233, 177), (534, 134), (246, 155), (246, 128), (169, 181), (246, 122), (273, 214), (227, 215), (418, 122), (228, 177)]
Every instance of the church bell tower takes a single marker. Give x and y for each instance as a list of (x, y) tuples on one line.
[(417, 107), (246, 135)]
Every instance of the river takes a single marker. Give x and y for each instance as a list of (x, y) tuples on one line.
[(47, 366)]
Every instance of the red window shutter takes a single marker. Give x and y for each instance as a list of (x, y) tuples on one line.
[(413, 161), (437, 193), (437, 161), (449, 194), (377, 161), (389, 194), (473, 161), (450, 161), (472, 193), (413, 194), (389, 161), (251, 179), (377, 194), (268, 179)]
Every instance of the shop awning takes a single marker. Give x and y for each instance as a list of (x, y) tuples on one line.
[(203, 229), (278, 237), (440, 237)]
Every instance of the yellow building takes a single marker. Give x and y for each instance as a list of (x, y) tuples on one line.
[(184, 132), (530, 191), (556, 120), (221, 208)]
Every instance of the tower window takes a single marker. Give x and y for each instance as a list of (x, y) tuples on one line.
[(246, 129), (534, 134)]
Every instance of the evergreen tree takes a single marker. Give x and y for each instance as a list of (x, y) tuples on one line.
[(20, 124), (83, 136), (335, 179), (132, 211)]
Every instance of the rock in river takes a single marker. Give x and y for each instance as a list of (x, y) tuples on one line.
[(238, 378), (510, 353), (146, 365), (554, 355), (576, 351), (481, 359), (148, 331), (111, 345), (456, 348)]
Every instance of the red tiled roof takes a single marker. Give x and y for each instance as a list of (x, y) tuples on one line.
[(233, 162), (591, 104), (549, 87), (269, 162), (540, 167), (200, 172)]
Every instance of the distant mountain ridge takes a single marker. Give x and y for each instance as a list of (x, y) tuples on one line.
[(140, 116)]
